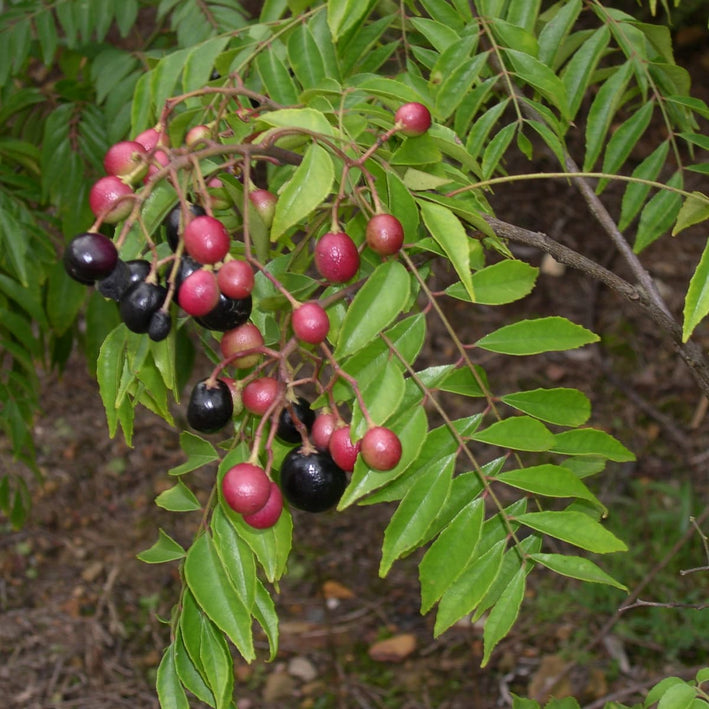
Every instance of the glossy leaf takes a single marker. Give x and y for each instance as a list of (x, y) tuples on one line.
[(552, 35), (659, 214), (169, 688), (305, 57), (591, 441), (217, 664), (413, 516), (469, 588), (309, 185), (517, 432), (576, 567), (696, 303), (178, 498), (450, 554), (345, 14), (496, 149), (216, 595), (164, 549), (276, 78), (199, 453), (534, 336), (560, 405), (500, 283), (503, 614), (550, 480), (265, 613), (375, 306), (695, 210), (449, 233), (185, 649), (199, 63), (575, 528)]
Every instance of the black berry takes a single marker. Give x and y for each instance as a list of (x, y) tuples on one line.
[(312, 481), (229, 313), (210, 406), (287, 430), (139, 303), (89, 257), (173, 219)]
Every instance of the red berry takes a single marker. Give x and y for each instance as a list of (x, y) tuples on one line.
[(241, 339), (322, 429), (381, 448), (265, 204), (336, 257), (269, 514), (343, 451), (158, 161), (413, 119), (235, 278), (108, 199), (198, 293), (311, 323), (197, 134), (126, 158), (384, 234), (260, 394), (246, 488), (150, 138), (206, 239)]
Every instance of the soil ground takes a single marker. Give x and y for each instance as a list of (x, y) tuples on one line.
[(80, 615)]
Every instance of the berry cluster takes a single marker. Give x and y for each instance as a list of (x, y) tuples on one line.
[(204, 268)]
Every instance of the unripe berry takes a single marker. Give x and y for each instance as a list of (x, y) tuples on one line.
[(158, 161), (384, 234), (381, 448), (343, 451), (246, 488), (260, 394), (241, 339), (413, 119), (322, 430), (197, 134), (235, 278), (206, 239), (336, 257), (150, 138), (126, 158), (198, 293), (265, 204), (108, 199), (311, 323), (269, 514)]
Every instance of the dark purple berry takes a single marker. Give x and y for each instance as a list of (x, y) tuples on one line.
[(210, 406), (160, 325), (173, 219), (286, 429), (89, 257), (312, 481), (229, 313), (139, 303)]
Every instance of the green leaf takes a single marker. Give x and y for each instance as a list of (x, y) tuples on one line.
[(450, 234), (660, 688), (178, 498), (680, 696), (199, 63), (499, 283), (307, 119), (696, 302), (199, 453), (550, 480), (164, 77), (186, 650), (344, 14), (217, 664), (265, 613), (216, 595), (164, 549), (517, 432), (496, 148), (451, 553), (382, 398), (591, 441), (439, 34), (659, 214), (276, 78), (469, 588), (636, 192), (576, 567), (560, 405), (413, 516), (503, 614), (602, 112), (305, 57), (534, 336), (695, 209), (457, 84), (575, 528), (375, 306), (169, 688), (64, 298), (307, 188), (553, 34), (624, 139)]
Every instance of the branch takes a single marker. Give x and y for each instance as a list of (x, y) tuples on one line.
[(690, 352)]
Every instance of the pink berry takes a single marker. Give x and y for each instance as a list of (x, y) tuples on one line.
[(196, 135), (150, 138), (108, 199), (343, 451), (384, 234), (265, 204), (322, 430), (269, 514), (126, 158), (206, 239), (336, 257), (235, 278), (246, 488), (242, 339), (381, 448), (311, 323), (198, 293), (260, 394), (413, 119), (158, 160)]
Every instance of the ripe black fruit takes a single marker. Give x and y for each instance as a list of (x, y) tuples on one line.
[(160, 325), (228, 314), (123, 276), (210, 406), (139, 303), (287, 430), (312, 481), (173, 219), (89, 257)]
